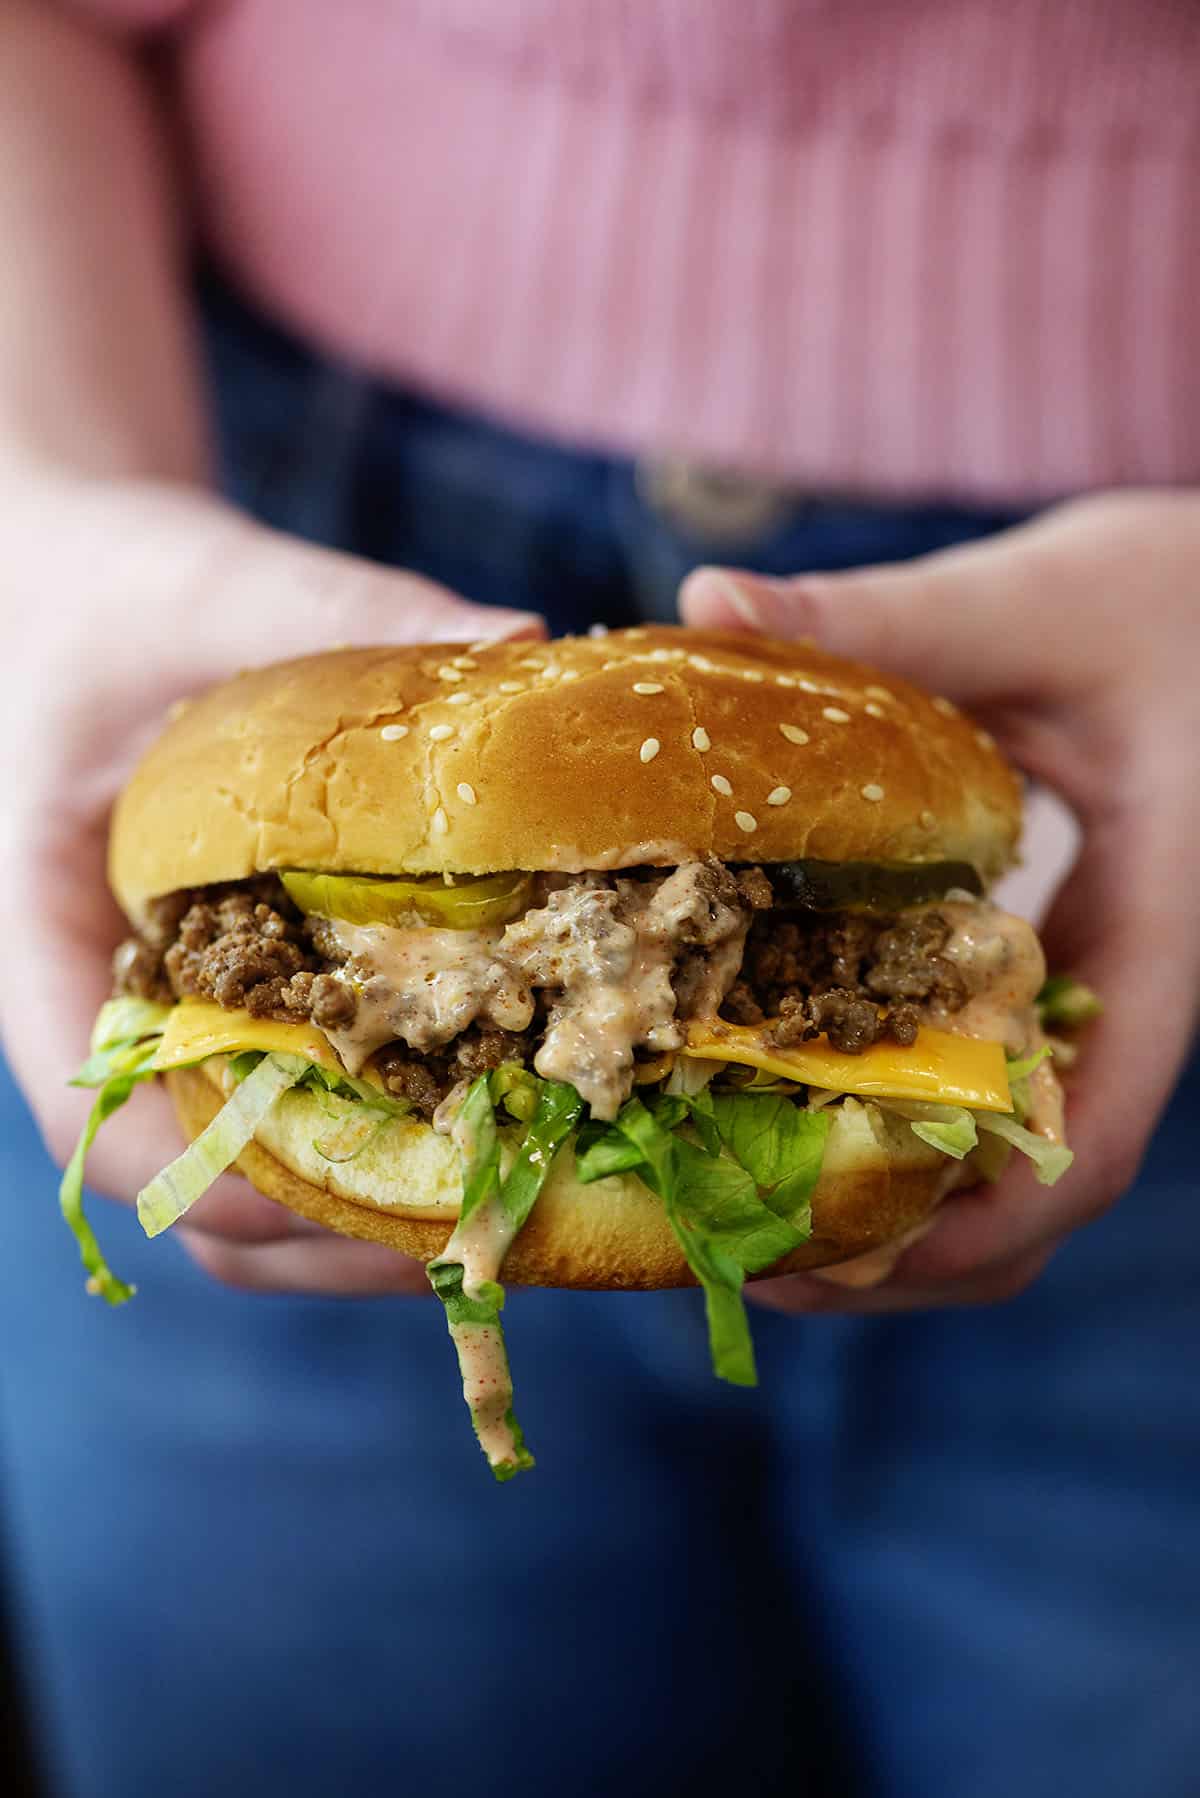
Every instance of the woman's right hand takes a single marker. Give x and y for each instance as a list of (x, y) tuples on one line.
[(119, 599)]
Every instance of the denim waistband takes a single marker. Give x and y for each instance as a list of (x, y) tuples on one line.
[(320, 449)]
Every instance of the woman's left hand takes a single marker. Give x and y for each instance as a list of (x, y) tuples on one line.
[(1076, 640)]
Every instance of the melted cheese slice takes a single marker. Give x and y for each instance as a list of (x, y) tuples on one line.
[(198, 1028), (947, 1069)]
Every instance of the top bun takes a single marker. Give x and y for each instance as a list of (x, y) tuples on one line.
[(640, 746)]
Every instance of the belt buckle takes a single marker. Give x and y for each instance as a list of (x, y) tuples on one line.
[(717, 505)]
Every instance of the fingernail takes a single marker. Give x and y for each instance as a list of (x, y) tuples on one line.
[(483, 625), (527, 625), (755, 602)]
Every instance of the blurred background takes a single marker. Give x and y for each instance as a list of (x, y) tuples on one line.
[(553, 305)]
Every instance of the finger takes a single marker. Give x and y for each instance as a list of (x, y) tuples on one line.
[(278, 597), (1125, 924), (333, 1266), (137, 1143), (809, 1294), (965, 613)]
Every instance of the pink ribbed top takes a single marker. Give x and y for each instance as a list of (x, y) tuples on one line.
[(897, 247)]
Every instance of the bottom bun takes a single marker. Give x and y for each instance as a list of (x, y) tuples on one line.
[(878, 1184)]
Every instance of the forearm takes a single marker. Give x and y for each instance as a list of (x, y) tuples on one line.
[(97, 375)]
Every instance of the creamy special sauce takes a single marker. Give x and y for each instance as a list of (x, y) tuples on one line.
[(621, 979), (609, 953), (479, 1244), (1004, 969), (424, 986), (487, 1388)]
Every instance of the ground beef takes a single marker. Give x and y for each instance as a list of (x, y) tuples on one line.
[(853, 977), (755, 889), (425, 1079), (243, 945), (242, 951), (137, 969), (907, 963)]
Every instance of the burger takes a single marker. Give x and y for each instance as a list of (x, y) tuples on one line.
[(635, 960)]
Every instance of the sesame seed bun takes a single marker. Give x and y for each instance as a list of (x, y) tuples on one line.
[(642, 746), (878, 1184)]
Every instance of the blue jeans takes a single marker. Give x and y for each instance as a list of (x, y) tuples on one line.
[(251, 1544)]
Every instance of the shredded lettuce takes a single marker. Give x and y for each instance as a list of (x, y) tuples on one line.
[(516, 1089), (112, 1095), (737, 1201), (950, 1128), (370, 1110), (172, 1192), (955, 1131), (1020, 1069), (779, 1145), (601, 1151), (690, 1076), (954, 1136), (124, 1041), (350, 1134), (343, 1086), (122, 1028), (1050, 1159), (493, 1211), (1065, 1003)]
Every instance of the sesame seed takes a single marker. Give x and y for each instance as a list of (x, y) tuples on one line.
[(441, 822), (702, 663), (509, 686), (701, 739), (793, 733), (807, 686), (927, 820), (550, 671), (745, 821), (570, 674), (440, 732), (873, 710), (597, 630), (879, 693), (639, 632), (835, 714), (606, 666), (779, 796), (448, 673), (751, 673), (985, 739), (483, 643), (946, 707), (646, 686), (532, 662), (466, 792), (462, 662), (661, 655), (785, 680), (460, 699), (871, 791), (672, 655), (392, 733), (649, 749), (721, 785)]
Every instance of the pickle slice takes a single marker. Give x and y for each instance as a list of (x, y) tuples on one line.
[(465, 902), (868, 886)]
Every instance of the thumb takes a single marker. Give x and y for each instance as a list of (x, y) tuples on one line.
[(960, 618), (277, 596)]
